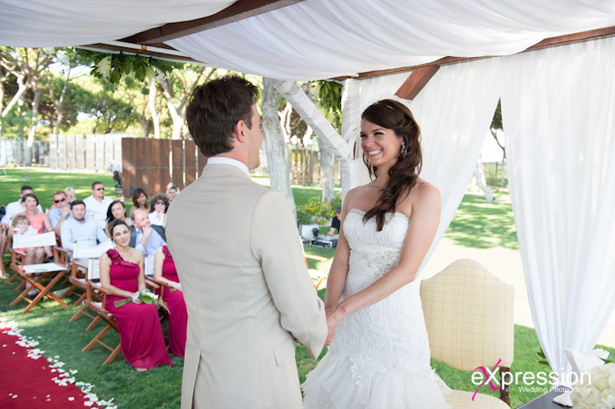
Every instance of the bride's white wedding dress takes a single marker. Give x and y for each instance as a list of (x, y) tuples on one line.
[(379, 356)]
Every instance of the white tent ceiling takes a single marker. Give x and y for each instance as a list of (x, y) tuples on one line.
[(311, 39)]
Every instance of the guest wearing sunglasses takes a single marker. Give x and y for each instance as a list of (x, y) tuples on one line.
[(158, 210), (98, 204), (60, 213)]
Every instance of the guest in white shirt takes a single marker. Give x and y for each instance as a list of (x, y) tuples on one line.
[(81, 228), (158, 210), (98, 204)]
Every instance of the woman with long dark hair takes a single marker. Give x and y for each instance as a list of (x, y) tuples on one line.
[(116, 210), (121, 275), (139, 201), (379, 354)]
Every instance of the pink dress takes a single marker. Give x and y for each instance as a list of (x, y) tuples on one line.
[(138, 324), (178, 316), (37, 222)]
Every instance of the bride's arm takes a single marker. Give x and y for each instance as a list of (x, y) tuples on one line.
[(421, 232)]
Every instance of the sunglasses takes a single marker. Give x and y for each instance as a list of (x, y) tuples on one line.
[(100, 188), (160, 202), (58, 201)]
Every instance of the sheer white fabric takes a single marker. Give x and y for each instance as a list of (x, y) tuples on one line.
[(557, 107), (454, 112), (43, 23), (327, 38)]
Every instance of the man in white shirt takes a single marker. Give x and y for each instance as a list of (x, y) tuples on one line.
[(11, 209), (97, 204), (81, 229)]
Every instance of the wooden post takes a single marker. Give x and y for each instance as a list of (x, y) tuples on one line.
[(90, 152), (129, 159), (53, 152), (177, 153), (190, 161)]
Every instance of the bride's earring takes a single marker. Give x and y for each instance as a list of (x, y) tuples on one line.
[(403, 149)]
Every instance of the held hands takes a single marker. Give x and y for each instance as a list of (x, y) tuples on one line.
[(334, 317)]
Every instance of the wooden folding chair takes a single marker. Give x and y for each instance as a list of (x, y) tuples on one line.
[(97, 306), (318, 275), (79, 275), (41, 277)]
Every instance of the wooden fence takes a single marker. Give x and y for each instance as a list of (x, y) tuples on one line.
[(152, 163), (305, 167), (90, 153), (12, 152)]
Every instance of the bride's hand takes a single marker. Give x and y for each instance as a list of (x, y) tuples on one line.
[(334, 317)]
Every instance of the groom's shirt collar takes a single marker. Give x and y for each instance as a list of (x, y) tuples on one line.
[(221, 160)]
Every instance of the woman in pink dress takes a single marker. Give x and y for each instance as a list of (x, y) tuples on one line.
[(39, 222), (165, 271), (121, 273)]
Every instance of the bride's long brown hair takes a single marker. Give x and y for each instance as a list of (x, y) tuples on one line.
[(394, 115)]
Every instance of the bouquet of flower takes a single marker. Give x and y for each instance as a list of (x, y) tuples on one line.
[(596, 391), (145, 296)]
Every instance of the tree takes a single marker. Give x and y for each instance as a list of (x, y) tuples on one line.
[(278, 155), (109, 113), (27, 65), (177, 87), (330, 101)]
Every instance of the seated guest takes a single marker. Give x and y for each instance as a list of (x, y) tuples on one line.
[(165, 271), (70, 194), (61, 212), (172, 191), (145, 237), (97, 204), (335, 223), (11, 210), (117, 210), (121, 273), (139, 201), (158, 210), (40, 222), (21, 226), (81, 229)]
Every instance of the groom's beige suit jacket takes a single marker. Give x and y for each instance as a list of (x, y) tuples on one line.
[(240, 263)]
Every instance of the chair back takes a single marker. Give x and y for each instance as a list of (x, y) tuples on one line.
[(38, 240), (88, 256), (148, 266), (469, 316)]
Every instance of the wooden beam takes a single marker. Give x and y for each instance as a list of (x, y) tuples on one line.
[(548, 42), (142, 51), (239, 10), (416, 81)]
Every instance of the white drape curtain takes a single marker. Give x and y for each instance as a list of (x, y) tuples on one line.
[(557, 107), (454, 112)]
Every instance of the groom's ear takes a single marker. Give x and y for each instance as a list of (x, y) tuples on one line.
[(238, 131)]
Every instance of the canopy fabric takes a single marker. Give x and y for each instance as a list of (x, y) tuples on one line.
[(313, 39), (557, 108), (57, 23)]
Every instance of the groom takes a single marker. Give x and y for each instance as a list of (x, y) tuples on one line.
[(239, 259)]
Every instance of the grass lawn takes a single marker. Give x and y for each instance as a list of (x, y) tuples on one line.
[(160, 388)]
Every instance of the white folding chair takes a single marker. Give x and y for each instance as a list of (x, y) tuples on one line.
[(41, 277)]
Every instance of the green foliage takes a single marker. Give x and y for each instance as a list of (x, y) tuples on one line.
[(314, 211), (115, 67), (330, 95)]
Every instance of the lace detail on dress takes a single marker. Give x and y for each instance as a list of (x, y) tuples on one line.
[(390, 334), (116, 258), (167, 253)]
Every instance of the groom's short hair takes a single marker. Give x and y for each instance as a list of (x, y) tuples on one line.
[(215, 108)]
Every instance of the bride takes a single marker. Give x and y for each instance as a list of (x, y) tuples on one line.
[(379, 354)]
